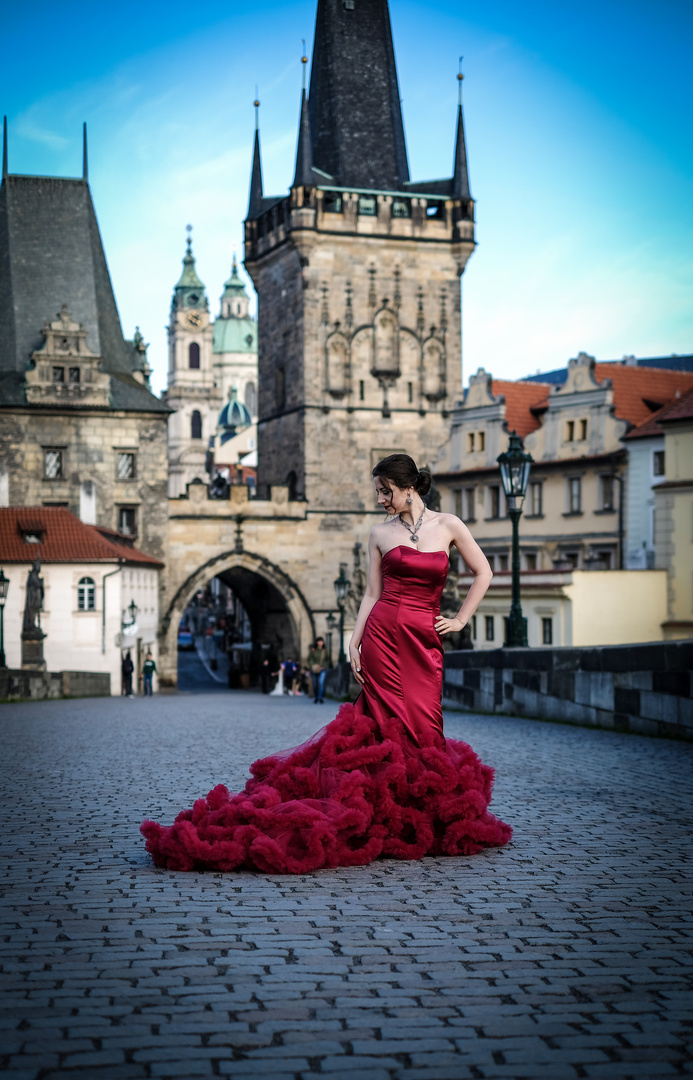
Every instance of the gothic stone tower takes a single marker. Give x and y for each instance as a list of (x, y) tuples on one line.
[(357, 274)]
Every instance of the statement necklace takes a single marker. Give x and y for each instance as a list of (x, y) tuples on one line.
[(415, 531)]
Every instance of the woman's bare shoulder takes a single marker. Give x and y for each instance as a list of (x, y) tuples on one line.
[(379, 531)]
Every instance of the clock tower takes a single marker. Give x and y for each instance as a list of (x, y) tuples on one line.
[(192, 390)]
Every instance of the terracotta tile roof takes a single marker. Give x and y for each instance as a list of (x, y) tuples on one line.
[(681, 408), (637, 390), (64, 539), (521, 401)]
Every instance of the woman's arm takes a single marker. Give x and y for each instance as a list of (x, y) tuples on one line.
[(478, 564), (371, 596)]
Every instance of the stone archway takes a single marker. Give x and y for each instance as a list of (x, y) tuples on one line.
[(277, 608)]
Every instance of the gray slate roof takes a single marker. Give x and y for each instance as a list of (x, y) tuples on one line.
[(355, 114), (51, 254)]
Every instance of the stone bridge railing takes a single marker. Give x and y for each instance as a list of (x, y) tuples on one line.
[(645, 689)]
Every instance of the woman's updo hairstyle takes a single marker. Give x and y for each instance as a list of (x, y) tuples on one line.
[(402, 471)]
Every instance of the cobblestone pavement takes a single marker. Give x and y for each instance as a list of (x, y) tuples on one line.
[(566, 954)]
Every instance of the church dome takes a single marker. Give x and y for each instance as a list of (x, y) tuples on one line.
[(233, 418), (235, 336)]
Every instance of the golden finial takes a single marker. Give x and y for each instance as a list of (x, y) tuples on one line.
[(460, 77)]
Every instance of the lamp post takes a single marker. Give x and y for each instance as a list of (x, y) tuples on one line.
[(331, 626), (514, 469), (341, 588), (4, 586)]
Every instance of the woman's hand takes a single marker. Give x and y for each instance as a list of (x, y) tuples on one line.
[(448, 626), (355, 661)]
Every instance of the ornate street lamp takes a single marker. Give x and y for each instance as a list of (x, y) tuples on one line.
[(514, 469), (4, 586), (341, 589)]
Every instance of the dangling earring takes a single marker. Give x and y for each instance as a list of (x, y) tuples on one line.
[(409, 500)]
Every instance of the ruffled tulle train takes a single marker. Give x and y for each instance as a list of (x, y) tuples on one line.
[(356, 790)]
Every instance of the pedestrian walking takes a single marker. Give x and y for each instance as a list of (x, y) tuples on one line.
[(269, 669), (291, 673), (126, 669), (317, 665), (148, 669)]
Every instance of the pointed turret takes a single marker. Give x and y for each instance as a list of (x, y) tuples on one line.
[(189, 291), (354, 103), (256, 194), (85, 159), (303, 174), (460, 176)]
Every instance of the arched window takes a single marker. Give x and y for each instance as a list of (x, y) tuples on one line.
[(291, 481), (86, 594), (250, 398), (196, 425), (193, 355)]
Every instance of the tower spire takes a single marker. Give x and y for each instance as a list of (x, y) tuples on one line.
[(303, 173), (85, 160), (4, 147), (256, 195), (460, 176), (355, 108)]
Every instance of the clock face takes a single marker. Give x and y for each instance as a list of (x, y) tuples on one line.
[(193, 319)]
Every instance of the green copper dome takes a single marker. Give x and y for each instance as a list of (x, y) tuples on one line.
[(189, 291), (235, 336)]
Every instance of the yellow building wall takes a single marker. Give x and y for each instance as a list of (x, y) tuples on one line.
[(617, 607)]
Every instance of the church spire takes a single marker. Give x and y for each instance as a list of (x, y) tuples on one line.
[(354, 104), (303, 174), (460, 176), (189, 291), (255, 197)]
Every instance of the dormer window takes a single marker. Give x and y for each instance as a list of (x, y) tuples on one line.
[(58, 375), (32, 536), (75, 377)]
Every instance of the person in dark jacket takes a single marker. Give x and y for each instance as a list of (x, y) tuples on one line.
[(126, 669), (148, 669)]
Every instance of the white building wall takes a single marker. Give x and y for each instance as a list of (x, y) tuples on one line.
[(74, 637), (640, 502)]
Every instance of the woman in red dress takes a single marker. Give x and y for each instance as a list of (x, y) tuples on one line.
[(381, 778)]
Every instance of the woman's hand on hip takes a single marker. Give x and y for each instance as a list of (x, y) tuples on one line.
[(448, 626), (355, 661)]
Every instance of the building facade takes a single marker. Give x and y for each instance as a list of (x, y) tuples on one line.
[(80, 428), (101, 593), (674, 515), (579, 504)]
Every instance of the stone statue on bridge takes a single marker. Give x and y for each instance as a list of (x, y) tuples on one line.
[(32, 634)]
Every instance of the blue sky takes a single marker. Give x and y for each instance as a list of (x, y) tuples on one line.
[(579, 138)]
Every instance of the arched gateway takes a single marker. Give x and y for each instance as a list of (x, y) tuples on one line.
[(278, 557)]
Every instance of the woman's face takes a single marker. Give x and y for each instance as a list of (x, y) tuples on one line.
[(392, 499)]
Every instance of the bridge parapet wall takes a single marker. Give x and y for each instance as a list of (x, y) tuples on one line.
[(644, 689)]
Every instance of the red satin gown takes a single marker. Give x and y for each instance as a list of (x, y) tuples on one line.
[(380, 779)]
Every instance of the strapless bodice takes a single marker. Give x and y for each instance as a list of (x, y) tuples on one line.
[(414, 579)]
